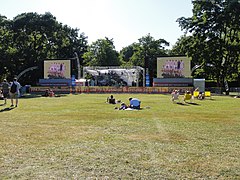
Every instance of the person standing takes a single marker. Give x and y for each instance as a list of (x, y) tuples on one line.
[(15, 91), (5, 90)]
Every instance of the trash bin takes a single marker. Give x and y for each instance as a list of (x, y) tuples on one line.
[(28, 88)]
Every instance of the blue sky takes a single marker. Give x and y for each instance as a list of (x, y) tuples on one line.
[(123, 20)]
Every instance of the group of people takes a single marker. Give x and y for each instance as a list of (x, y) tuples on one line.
[(11, 90), (48, 93), (187, 96), (175, 96), (134, 103)]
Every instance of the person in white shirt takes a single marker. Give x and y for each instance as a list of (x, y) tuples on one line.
[(175, 95)]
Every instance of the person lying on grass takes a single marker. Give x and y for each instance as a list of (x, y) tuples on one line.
[(123, 106)]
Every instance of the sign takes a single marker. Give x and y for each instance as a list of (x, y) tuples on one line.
[(57, 69), (73, 80), (147, 80), (173, 67)]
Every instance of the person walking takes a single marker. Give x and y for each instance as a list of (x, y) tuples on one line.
[(5, 90), (14, 91)]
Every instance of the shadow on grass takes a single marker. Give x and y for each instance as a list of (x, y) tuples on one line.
[(7, 109), (193, 103), (182, 104), (207, 99), (187, 104), (28, 96)]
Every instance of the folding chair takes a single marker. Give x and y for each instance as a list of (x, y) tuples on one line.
[(207, 94), (195, 94)]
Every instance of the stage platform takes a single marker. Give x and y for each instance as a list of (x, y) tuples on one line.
[(172, 82), (55, 82)]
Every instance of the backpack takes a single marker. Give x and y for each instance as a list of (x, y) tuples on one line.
[(13, 88)]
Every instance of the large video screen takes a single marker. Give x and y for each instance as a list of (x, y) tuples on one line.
[(57, 69), (173, 67)]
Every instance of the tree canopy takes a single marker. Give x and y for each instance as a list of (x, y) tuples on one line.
[(101, 53), (144, 53), (30, 38), (214, 39)]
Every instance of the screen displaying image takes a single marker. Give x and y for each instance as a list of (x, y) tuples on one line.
[(57, 69), (173, 67)]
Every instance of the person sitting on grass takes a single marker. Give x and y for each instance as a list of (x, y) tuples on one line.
[(51, 93), (175, 95), (46, 93), (201, 96), (134, 103), (187, 96), (111, 100)]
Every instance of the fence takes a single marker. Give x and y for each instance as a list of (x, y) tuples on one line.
[(106, 89)]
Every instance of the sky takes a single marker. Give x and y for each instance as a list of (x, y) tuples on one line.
[(124, 21)]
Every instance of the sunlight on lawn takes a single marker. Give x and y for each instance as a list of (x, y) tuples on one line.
[(81, 136)]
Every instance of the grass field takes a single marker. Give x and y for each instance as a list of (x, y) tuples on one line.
[(82, 137)]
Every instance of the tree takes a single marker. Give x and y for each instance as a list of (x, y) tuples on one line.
[(182, 46), (215, 29), (144, 53), (101, 53), (31, 38)]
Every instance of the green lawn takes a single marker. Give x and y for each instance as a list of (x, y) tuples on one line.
[(82, 137)]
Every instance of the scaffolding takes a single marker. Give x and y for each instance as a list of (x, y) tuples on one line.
[(114, 75)]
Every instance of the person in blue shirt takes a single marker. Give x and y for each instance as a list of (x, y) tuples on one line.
[(134, 103)]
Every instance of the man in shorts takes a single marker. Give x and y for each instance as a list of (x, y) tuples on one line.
[(14, 91)]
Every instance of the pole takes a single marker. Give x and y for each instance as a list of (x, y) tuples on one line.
[(78, 65)]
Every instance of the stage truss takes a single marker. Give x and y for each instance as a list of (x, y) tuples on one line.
[(114, 75)]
